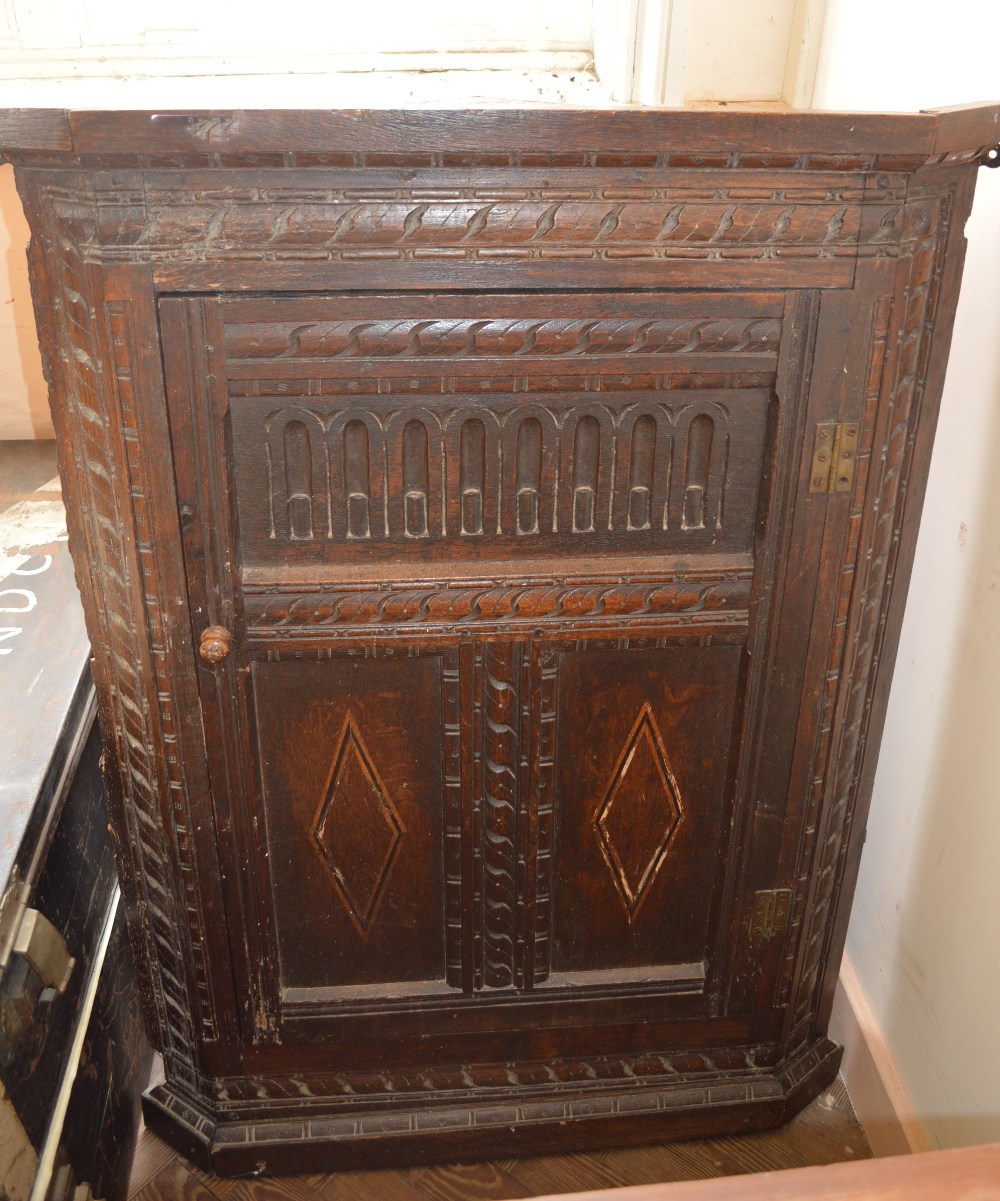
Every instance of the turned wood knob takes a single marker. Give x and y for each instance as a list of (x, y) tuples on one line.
[(215, 644)]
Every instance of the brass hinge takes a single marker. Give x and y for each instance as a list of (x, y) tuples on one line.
[(835, 449), (26, 931), (770, 913)]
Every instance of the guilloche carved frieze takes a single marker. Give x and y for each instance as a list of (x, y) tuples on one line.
[(828, 217)]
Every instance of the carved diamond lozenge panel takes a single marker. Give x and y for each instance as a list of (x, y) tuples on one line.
[(640, 813), (357, 829)]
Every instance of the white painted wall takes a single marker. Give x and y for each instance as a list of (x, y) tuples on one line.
[(732, 50), (24, 398), (97, 38), (925, 932)]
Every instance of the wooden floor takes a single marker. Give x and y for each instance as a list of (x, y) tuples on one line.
[(825, 1132)]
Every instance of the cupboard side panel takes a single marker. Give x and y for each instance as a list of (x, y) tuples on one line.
[(105, 388), (927, 287)]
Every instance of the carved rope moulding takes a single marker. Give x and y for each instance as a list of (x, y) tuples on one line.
[(271, 610)]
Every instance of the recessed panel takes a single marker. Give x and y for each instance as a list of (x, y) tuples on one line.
[(351, 760), (645, 746), (392, 479)]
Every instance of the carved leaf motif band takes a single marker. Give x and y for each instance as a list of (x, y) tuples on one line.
[(162, 224)]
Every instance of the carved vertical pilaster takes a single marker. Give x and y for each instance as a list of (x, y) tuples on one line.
[(93, 408), (509, 697), (454, 879), (501, 809), (868, 574), (540, 916), (880, 318)]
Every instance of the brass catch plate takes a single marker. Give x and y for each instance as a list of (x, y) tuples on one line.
[(770, 913)]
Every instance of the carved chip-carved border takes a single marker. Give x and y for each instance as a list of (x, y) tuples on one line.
[(513, 726), (499, 813), (567, 1091), (378, 342), (109, 532), (123, 342)]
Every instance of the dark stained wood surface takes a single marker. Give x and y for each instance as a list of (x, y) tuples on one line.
[(393, 132), (35, 129), (104, 1117), (491, 698)]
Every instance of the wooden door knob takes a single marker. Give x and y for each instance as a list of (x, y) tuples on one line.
[(215, 644)]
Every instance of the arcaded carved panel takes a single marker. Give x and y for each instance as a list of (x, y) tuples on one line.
[(518, 475), (514, 463)]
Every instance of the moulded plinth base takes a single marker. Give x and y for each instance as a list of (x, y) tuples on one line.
[(525, 1121)]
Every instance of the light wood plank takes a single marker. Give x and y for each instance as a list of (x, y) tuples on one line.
[(966, 1174)]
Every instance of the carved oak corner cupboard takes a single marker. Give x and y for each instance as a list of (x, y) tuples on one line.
[(493, 530)]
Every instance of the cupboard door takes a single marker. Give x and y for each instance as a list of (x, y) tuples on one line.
[(478, 735)]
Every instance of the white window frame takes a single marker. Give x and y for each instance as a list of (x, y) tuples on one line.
[(641, 50)]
